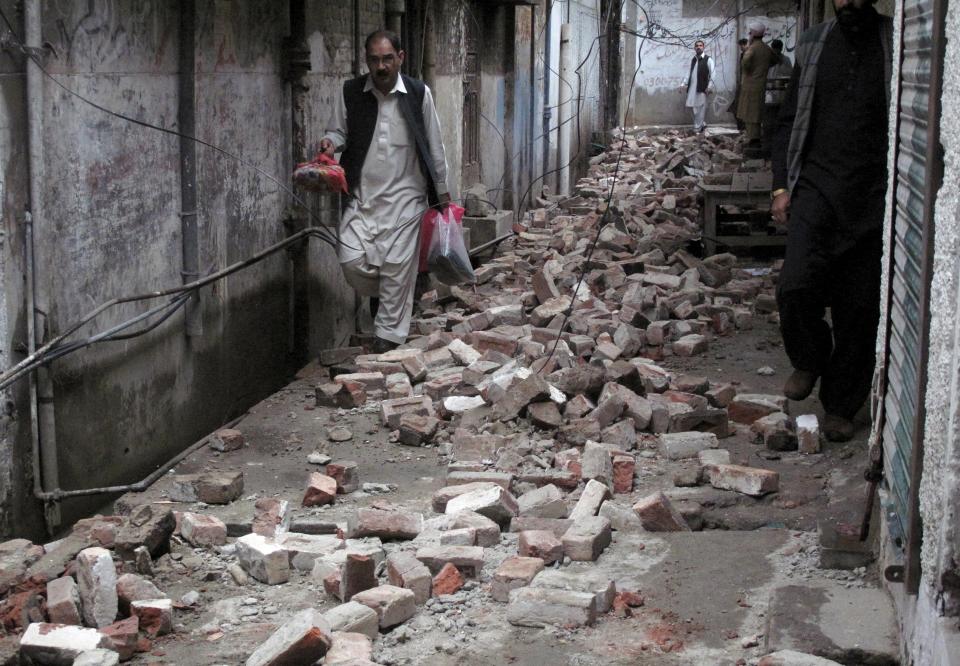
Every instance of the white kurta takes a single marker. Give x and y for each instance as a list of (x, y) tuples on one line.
[(379, 230), (698, 101)]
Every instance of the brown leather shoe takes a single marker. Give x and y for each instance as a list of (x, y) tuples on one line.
[(800, 384), (838, 429)]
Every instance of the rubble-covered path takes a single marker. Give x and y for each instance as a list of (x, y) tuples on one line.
[(634, 491)]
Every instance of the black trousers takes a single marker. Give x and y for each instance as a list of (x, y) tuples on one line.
[(830, 263)]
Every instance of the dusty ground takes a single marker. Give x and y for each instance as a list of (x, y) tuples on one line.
[(706, 593)]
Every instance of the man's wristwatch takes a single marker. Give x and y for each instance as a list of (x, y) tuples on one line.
[(776, 193)]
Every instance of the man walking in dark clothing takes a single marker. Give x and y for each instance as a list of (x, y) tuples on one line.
[(830, 176)]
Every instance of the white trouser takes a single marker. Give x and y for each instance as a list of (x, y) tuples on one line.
[(394, 285), (699, 116)]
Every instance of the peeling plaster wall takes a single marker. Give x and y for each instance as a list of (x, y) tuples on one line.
[(112, 228), (657, 94)]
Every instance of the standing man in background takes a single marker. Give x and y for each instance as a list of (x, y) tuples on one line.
[(699, 85), (778, 77), (753, 86), (741, 49), (387, 126), (830, 177)]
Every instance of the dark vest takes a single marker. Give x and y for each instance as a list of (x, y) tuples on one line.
[(362, 111), (703, 73)]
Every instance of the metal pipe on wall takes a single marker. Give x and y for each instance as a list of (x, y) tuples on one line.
[(395, 10), (547, 114), (43, 418), (564, 115), (533, 102), (429, 54), (357, 47), (187, 124)]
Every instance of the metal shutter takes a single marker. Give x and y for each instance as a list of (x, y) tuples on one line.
[(918, 163)]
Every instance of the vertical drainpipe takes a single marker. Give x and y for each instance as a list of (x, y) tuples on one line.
[(429, 55), (296, 63), (565, 95), (395, 9), (357, 46), (548, 32), (532, 101), (42, 399), (187, 123)]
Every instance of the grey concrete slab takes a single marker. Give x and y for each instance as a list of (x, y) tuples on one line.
[(827, 619)]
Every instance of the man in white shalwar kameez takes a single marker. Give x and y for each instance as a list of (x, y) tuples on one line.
[(699, 85), (387, 126)]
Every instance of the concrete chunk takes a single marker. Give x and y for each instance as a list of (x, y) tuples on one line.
[(495, 503), (541, 607), (593, 582), (514, 572), (594, 493), (353, 617), (393, 605), (442, 496), (392, 524), (264, 559), (747, 480), (59, 644), (544, 502), (349, 649), (681, 445), (468, 559), (587, 538), (487, 532), (808, 433), (97, 582)]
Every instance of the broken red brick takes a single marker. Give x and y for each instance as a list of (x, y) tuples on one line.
[(448, 580)]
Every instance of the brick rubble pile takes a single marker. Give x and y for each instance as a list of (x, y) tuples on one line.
[(543, 388)]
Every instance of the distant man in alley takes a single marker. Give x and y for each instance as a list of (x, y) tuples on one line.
[(699, 85), (753, 84), (830, 176), (387, 127)]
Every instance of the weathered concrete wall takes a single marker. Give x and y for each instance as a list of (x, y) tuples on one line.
[(665, 64), (496, 65), (448, 25), (330, 36), (17, 511), (112, 228)]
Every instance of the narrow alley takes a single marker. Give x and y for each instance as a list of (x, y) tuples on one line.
[(243, 425)]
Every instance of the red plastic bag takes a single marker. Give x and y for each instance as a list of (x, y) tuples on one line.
[(323, 174), (427, 227)]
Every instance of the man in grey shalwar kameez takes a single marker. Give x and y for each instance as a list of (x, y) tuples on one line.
[(387, 126)]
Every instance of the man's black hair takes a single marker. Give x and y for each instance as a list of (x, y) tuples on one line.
[(742, 41), (776, 45), (389, 35)]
